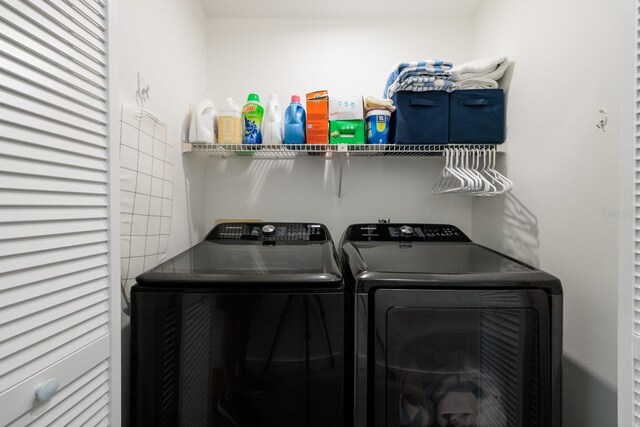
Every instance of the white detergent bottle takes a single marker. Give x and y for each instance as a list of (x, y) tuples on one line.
[(202, 129), (272, 122)]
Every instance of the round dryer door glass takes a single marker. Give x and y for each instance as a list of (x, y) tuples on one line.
[(460, 358)]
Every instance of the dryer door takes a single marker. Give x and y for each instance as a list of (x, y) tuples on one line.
[(459, 358)]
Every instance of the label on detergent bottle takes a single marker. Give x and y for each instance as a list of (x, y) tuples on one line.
[(252, 114)]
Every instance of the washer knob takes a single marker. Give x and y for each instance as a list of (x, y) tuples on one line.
[(406, 231), (268, 230)]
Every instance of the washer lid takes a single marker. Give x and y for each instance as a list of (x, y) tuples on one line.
[(271, 260), (434, 258), (431, 256)]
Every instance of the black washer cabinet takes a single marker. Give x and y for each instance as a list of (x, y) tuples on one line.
[(450, 333), (255, 312)]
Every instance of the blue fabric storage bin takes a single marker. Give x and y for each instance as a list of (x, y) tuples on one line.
[(420, 117), (477, 116)]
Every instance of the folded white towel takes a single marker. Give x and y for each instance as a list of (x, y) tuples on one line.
[(477, 83), (490, 68)]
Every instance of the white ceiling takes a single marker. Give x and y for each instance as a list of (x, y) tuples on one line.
[(366, 9)]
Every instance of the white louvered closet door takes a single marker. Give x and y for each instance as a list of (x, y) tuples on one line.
[(55, 213), (636, 260)]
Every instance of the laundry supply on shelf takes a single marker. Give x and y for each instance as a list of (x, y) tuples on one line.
[(377, 122), (272, 122), (318, 117), (373, 103), (346, 120), (230, 124), (230, 127), (420, 76), (252, 113), (346, 108), (202, 127), (346, 132), (295, 122)]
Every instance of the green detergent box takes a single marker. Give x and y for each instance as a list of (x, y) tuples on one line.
[(346, 131)]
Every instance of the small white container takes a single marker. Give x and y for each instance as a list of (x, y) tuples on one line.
[(202, 128), (272, 122)]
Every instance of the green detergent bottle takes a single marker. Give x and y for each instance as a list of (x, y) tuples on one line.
[(252, 113)]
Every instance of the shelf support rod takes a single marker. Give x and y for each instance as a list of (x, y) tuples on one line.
[(340, 171)]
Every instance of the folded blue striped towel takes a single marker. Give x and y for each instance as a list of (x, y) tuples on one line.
[(429, 71), (421, 84)]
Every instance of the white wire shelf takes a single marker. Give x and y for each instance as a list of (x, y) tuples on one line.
[(325, 150)]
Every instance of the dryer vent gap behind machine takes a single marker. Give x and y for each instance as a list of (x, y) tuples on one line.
[(450, 333), (245, 328)]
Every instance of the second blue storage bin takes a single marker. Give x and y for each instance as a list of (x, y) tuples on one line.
[(477, 116)]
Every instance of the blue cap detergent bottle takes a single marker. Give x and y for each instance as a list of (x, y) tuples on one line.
[(295, 122)]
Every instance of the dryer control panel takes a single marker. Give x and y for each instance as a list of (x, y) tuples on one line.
[(274, 231), (405, 232)]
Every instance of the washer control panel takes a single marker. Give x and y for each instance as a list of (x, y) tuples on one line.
[(276, 231), (406, 232)]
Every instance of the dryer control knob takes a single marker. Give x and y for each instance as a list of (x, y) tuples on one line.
[(406, 231), (268, 230)]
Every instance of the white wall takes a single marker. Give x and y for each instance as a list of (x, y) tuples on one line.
[(561, 213), (346, 57), (563, 166), (166, 41)]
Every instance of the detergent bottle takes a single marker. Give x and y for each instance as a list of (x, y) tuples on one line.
[(252, 113), (295, 122), (202, 127), (272, 122)]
